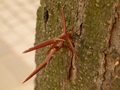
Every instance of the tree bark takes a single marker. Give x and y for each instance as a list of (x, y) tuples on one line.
[(96, 39)]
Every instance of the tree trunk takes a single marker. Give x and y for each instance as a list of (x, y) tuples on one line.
[(96, 39)]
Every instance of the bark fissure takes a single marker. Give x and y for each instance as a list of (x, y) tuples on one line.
[(111, 33), (80, 17), (70, 69), (81, 28), (70, 72), (105, 64), (46, 16), (109, 59)]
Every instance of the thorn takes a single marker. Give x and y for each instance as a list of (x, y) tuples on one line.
[(64, 36), (59, 39), (51, 41), (51, 48), (69, 41), (56, 41), (47, 63), (36, 70), (67, 48), (63, 21)]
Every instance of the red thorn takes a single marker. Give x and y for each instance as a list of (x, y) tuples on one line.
[(40, 45), (67, 48), (63, 21), (36, 70), (51, 48), (69, 41)]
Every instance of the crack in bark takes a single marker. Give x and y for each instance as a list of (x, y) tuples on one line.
[(81, 28), (71, 71), (112, 30), (80, 17), (111, 34), (103, 85), (105, 64), (71, 75), (46, 16), (109, 67)]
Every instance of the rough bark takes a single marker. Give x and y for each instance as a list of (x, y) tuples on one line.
[(96, 39)]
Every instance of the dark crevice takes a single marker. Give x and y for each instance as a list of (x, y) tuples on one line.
[(105, 65), (70, 73), (71, 76), (80, 17), (111, 34), (46, 16), (81, 27), (70, 70)]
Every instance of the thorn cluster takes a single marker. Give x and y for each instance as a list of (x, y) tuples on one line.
[(65, 36)]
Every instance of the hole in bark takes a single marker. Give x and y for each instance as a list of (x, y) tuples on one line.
[(81, 26), (46, 16)]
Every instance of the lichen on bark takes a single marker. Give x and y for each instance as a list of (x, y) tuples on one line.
[(93, 21)]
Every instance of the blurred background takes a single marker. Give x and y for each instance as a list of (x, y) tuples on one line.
[(17, 33)]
